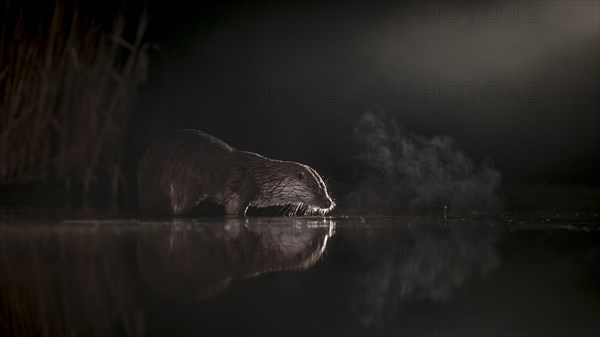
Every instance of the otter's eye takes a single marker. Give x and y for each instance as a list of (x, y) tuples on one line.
[(300, 175)]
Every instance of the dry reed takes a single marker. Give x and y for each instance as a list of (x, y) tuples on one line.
[(66, 89)]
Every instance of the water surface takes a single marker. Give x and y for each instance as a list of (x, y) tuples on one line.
[(316, 276)]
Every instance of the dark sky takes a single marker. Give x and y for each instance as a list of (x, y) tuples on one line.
[(291, 80)]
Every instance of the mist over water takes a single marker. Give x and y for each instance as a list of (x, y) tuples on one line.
[(402, 172), (428, 263)]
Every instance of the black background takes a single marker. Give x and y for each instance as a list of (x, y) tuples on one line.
[(357, 55), (224, 67)]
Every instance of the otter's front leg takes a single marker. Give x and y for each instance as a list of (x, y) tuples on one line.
[(183, 200), (235, 205)]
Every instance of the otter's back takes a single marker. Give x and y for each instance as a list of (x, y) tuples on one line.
[(189, 163)]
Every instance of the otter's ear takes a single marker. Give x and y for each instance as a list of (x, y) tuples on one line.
[(300, 175)]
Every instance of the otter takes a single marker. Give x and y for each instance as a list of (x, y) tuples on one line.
[(187, 166)]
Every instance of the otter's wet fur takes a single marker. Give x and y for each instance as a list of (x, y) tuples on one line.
[(188, 166)]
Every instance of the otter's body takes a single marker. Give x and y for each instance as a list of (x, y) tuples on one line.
[(188, 166)]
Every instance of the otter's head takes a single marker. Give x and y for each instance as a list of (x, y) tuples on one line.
[(300, 185)]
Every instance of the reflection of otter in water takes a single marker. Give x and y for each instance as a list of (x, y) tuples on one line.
[(195, 263), (188, 166), (68, 280)]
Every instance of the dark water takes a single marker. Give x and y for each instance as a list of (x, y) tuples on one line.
[(401, 276)]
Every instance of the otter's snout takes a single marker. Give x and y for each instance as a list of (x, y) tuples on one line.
[(326, 203)]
